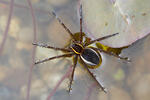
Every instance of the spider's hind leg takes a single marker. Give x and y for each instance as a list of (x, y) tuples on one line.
[(94, 77), (72, 74), (115, 55)]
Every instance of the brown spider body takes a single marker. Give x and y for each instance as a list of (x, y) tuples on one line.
[(90, 56), (87, 54)]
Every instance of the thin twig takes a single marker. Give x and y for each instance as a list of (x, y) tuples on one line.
[(68, 73), (24, 6), (33, 51), (89, 92), (7, 26)]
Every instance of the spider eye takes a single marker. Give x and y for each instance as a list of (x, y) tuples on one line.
[(90, 57)]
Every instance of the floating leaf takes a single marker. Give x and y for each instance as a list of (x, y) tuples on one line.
[(129, 18)]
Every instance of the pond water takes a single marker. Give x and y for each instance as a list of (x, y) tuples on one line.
[(123, 81)]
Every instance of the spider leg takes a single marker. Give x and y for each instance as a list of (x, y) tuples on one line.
[(72, 74), (64, 26), (103, 89), (55, 57), (50, 47), (102, 38), (112, 54), (80, 11)]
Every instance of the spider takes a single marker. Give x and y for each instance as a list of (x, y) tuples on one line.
[(80, 49)]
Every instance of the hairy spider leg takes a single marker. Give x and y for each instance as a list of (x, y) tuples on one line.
[(102, 38), (64, 26), (72, 74), (103, 89), (80, 12), (55, 57), (112, 54), (50, 47)]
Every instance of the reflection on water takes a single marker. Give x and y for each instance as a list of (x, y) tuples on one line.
[(124, 81)]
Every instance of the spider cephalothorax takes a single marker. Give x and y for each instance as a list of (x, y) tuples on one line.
[(79, 49)]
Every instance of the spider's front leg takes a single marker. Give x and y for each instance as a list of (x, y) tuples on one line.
[(51, 47)]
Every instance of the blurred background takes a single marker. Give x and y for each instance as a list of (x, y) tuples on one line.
[(123, 81)]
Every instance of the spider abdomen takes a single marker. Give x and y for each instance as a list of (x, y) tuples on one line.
[(91, 57)]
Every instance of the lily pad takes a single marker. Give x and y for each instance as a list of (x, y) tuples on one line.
[(129, 18)]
